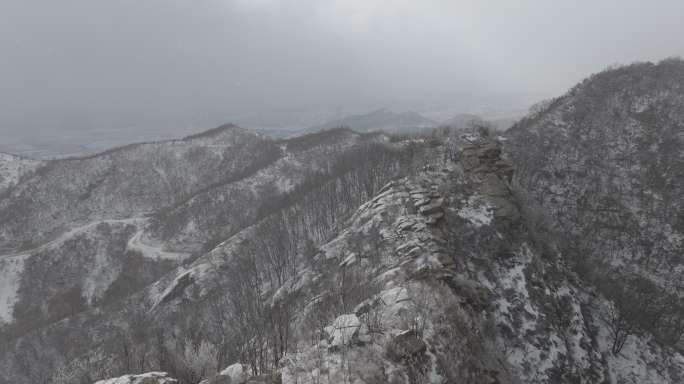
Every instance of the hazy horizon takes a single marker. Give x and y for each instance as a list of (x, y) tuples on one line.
[(173, 66)]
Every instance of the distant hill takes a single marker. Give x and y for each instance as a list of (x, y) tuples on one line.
[(466, 120), (503, 123), (463, 120), (380, 120)]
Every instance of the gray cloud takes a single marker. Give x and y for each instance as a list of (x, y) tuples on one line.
[(154, 63)]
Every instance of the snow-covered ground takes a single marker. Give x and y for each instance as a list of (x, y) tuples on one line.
[(10, 273), (152, 251), (477, 211)]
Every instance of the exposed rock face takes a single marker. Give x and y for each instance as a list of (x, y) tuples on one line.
[(482, 160), (405, 346), (484, 156), (238, 373), (428, 202), (344, 331), (398, 294)]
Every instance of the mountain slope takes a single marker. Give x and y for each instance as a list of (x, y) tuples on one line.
[(604, 164), (112, 249), (95, 268), (607, 162), (74, 233), (317, 204), (216, 212), (125, 182)]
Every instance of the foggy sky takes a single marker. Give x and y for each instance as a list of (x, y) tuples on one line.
[(90, 64)]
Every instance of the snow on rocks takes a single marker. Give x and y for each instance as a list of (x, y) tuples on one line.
[(477, 211), (238, 373), (343, 331), (176, 288), (349, 260), (515, 311), (144, 378), (428, 202), (433, 206), (100, 277)]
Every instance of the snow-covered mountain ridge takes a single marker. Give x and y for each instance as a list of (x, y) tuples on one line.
[(548, 255), (95, 261), (438, 278)]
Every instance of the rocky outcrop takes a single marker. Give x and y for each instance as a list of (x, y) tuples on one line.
[(405, 346), (482, 160), (344, 331), (144, 378), (429, 203), (239, 374), (483, 156)]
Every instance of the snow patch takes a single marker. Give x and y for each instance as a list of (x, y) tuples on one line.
[(136, 243), (10, 274), (100, 277), (238, 373), (640, 360), (145, 378), (477, 211)]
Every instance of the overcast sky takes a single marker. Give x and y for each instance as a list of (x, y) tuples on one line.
[(148, 63)]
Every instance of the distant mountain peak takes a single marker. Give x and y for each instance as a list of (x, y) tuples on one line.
[(382, 119), (215, 132)]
